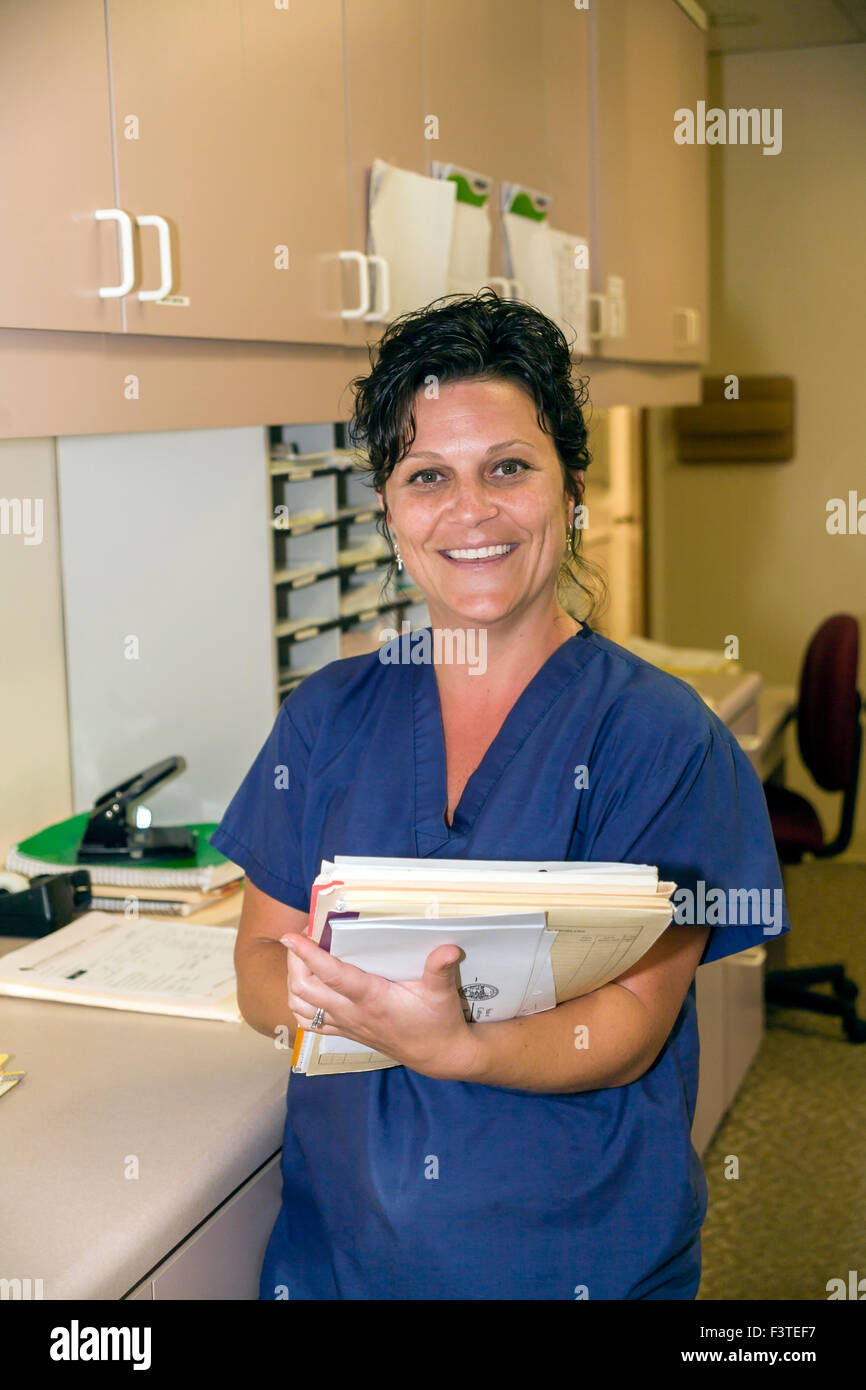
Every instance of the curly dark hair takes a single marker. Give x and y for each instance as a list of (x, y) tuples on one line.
[(479, 337)]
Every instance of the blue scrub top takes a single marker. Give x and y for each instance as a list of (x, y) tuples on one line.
[(399, 1186)]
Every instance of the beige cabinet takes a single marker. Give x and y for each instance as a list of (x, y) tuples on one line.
[(230, 125), (690, 263), (57, 169), (485, 91), (223, 1259), (567, 146), (729, 995), (385, 114), (215, 137), (229, 146), (649, 243)]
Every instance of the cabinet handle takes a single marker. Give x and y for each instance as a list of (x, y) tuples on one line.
[(380, 315), (511, 289), (127, 252), (603, 330), (692, 324), (152, 219), (364, 283), (615, 306)]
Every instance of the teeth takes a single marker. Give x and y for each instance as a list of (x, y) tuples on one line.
[(483, 553)]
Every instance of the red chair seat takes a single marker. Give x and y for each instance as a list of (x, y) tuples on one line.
[(796, 827)]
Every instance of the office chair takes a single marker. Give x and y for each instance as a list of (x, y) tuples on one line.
[(830, 739)]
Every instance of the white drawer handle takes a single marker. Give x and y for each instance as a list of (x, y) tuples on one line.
[(127, 252), (692, 322), (364, 283), (603, 330), (380, 315), (152, 219)]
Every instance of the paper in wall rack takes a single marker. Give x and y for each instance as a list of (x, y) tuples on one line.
[(529, 248), (469, 259)]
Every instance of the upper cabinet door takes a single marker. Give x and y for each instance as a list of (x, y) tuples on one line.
[(484, 87), (229, 127), (690, 254), (385, 109), (568, 115), (644, 199), (57, 170)]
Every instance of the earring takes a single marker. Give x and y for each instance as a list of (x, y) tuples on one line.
[(570, 536), (395, 550)]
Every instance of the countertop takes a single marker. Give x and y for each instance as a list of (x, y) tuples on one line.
[(196, 1106)]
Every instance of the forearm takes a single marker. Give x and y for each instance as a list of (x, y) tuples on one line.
[(263, 991), (602, 1039)]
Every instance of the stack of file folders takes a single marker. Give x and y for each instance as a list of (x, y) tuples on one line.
[(534, 934)]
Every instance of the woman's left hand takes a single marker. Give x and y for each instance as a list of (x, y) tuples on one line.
[(418, 1023)]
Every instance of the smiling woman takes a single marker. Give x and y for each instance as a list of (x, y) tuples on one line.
[(546, 1157), (434, 419)]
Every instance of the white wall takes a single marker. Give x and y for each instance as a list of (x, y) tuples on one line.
[(165, 538), (35, 787), (743, 548)]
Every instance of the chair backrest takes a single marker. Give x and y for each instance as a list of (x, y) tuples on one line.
[(829, 702)]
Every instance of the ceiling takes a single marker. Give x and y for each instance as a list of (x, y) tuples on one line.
[(745, 26)]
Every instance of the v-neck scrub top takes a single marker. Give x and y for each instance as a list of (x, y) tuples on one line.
[(399, 1186)]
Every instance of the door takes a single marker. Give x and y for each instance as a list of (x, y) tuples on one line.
[(639, 182), (55, 135), (690, 268), (567, 115), (484, 86), (385, 113), (229, 124)]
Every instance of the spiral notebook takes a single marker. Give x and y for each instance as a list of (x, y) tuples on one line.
[(55, 850)]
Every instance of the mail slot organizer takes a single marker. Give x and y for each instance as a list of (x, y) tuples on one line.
[(330, 563)]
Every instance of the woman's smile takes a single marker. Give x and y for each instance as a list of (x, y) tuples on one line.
[(480, 555)]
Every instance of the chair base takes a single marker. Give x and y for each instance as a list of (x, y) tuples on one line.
[(789, 989)]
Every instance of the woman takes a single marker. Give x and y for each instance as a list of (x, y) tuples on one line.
[(498, 1160)]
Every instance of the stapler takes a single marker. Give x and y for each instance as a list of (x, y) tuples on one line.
[(111, 834), (47, 902)]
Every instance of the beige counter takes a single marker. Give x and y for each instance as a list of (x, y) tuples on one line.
[(195, 1106)]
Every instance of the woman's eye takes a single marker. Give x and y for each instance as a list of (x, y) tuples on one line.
[(512, 468), (425, 475), (513, 465)]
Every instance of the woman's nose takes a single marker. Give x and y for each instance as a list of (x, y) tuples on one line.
[(471, 501)]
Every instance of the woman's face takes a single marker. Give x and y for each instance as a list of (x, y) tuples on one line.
[(481, 476)]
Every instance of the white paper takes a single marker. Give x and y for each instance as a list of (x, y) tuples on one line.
[(506, 971), (411, 223), (573, 288), (144, 958), (573, 872), (532, 261), (469, 262)]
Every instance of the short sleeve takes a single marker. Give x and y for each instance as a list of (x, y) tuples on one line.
[(263, 824), (694, 806)]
